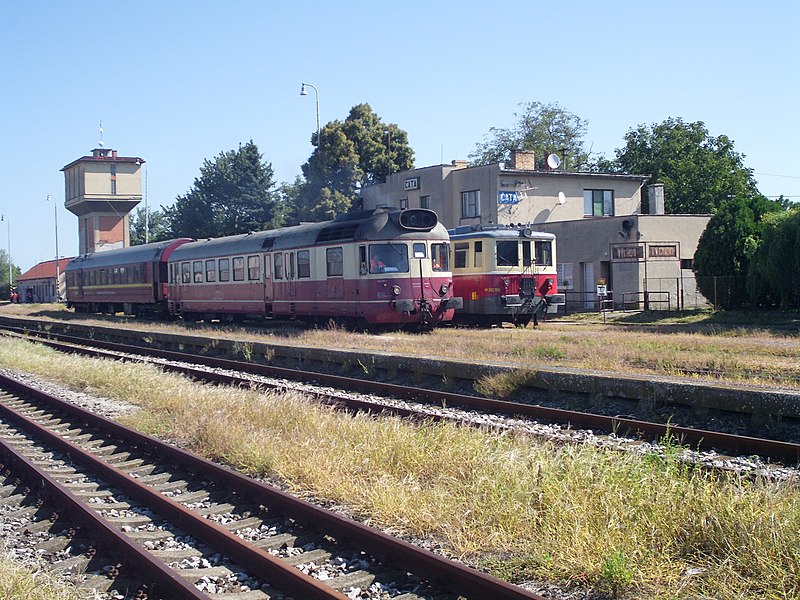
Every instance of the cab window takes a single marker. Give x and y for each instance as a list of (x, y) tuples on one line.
[(388, 258)]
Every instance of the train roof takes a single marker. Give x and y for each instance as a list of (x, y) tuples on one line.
[(123, 256), (499, 232), (365, 225)]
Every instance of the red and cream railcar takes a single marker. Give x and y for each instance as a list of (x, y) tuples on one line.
[(373, 268), (504, 273), (130, 280)]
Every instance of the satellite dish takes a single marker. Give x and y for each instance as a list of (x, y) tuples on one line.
[(553, 161), (562, 198)]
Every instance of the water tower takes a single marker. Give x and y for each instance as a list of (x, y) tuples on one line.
[(101, 190)]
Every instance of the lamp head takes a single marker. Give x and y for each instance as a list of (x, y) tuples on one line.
[(303, 91)]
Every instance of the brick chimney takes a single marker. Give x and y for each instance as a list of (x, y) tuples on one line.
[(522, 160)]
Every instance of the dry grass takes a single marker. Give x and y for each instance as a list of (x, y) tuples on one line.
[(635, 527), (18, 582), (712, 351)]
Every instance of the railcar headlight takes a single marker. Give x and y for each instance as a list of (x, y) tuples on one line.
[(396, 290), (444, 289), (506, 281)]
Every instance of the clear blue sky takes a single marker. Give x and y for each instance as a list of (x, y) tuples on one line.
[(177, 82)]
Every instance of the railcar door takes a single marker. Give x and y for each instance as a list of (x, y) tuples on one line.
[(291, 275), (268, 281)]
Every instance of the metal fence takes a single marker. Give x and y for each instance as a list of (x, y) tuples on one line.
[(665, 293)]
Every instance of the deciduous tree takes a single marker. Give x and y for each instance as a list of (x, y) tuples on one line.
[(359, 151), (699, 171), (543, 128), (150, 226)]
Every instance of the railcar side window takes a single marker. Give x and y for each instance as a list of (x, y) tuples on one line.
[(439, 257), (507, 254), (334, 261), (278, 274), (303, 264), (224, 269), (544, 253), (186, 272), (478, 253), (253, 267), (420, 251), (462, 249), (137, 274), (211, 271), (388, 258), (238, 268), (197, 271)]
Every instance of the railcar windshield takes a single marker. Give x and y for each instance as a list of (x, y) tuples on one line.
[(439, 257), (544, 253), (388, 258), (508, 253)]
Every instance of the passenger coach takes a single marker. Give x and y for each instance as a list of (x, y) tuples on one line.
[(130, 280), (370, 268)]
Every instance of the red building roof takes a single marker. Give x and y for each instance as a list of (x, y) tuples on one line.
[(44, 270)]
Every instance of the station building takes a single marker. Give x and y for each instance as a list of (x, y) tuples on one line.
[(45, 282), (605, 241)]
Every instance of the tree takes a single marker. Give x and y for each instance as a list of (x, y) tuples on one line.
[(5, 292), (543, 128), (359, 151), (699, 172), (774, 276), (726, 246), (157, 226), (232, 195)]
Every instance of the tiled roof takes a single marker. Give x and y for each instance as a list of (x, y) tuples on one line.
[(44, 270)]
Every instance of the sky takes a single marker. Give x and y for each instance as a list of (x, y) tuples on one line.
[(177, 82)]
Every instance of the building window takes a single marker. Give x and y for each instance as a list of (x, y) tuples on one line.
[(470, 204), (403, 203), (687, 263), (113, 187), (598, 203), (424, 201)]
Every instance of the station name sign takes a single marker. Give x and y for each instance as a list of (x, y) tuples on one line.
[(411, 184), (628, 252)]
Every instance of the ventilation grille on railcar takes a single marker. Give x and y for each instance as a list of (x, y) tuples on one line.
[(337, 232)]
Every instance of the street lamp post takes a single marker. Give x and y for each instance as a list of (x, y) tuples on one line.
[(58, 266), (303, 92), (10, 272)]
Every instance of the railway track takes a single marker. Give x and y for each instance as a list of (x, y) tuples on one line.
[(228, 372), (140, 518)]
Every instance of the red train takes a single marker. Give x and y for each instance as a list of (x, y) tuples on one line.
[(369, 269), (504, 273)]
